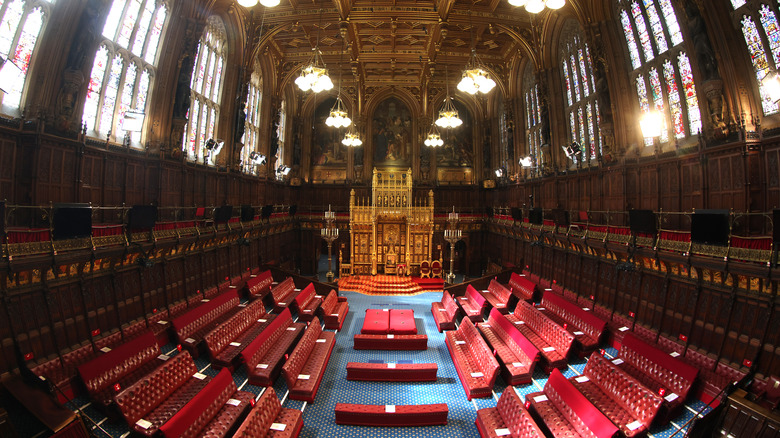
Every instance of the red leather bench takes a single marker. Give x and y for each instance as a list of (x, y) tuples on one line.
[(390, 342), (260, 285), (214, 411), (193, 325), (498, 296), (391, 415), (472, 304), (508, 418), (402, 322), (62, 371), (269, 419), (376, 322), (306, 365), (122, 366), (283, 294), (625, 401), (586, 327), (334, 311), (617, 324), (661, 373), (307, 302), (392, 372), (564, 411), (522, 287), (224, 338), (713, 375), (552, 340), (517, 354), (153, 400), (264, 355), (473, 359), (444, 312)]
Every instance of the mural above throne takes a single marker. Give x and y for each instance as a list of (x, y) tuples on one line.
[(391, 133)]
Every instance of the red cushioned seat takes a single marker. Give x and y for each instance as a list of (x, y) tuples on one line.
[(269, 419), (392, 372), (508, 418), (391, 415), (390, 342), (376, 322), (402, 322)]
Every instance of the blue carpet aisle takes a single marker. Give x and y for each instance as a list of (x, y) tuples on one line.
[(319, 417)]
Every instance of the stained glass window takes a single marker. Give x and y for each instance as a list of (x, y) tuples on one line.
[(533, 126), (760, 61), (21, 22), (251, 140), (205, 94), (578, 74), (737, 3), (769, 21), (124, 66), (674, 94), (747, 12)]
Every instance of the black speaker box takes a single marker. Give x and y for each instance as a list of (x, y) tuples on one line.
[(535, 216), (71, 221), (642, 221), (142, 217), (561, 217), (247, 213), (710, 227), (223, 214)]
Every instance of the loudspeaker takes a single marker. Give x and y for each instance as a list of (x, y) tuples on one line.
[(223, 214), (142, 217), (489, 211), (561, 217), (293, 209), (775, 225), (266, 211), (642, 221), (71, 221), (247, 213), (710, 227), (535, 216), (517, 214)]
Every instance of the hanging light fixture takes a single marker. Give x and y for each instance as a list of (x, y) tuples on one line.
[(338, 117), (269, 3), (314, 76), (475, 78), (448, 115), (536, 6), (352, 139), (247, 3), (434, 138)]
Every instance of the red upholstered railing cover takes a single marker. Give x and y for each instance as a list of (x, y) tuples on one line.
[(202, 408)]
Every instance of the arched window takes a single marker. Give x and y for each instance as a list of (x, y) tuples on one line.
[(533, 117), (124, 65), (206, 93), (251, 140), (21, 22), (582, 108), (661, 70), (758, 20)]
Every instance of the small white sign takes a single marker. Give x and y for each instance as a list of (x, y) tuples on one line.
[(279, 427), (617, 361), (189, 340), (291, 329), (385, 310), (484, 324), (540, 398), (297, 290), (205, 300), (622, 329), (391, 365), (540, 308), (306, 311), (390, 336), (548, 349), (163, 357), (517, 364), (303, 376), (581, 379), (262, 366), (460, 342), (318, 296), (105, 349), (334, 314), (233, 402), (282, 304), (162, 321), (262, 320), (578, 333), (235, 344), (671, 397), (519, 322), (242, 305), (143, 424), (503, 432), (442, 310), (199, 376), (634, 425), (674, 354), (586, 308), (320, 340), (390, 409), (477, 374)]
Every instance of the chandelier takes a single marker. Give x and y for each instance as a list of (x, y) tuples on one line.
[(338, 117), (351, 139), (536, 6), (251, 3), (434, 139), (448, 115), (475, 78), (314, 76)]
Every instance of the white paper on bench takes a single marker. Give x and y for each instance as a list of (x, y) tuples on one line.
[(478, 374), (318, 296), (279, 427), (442, 310), (303, 376), (290, 328), (205, 300), (385, 310), (390, 336), (503, 432), (189, 340), (460, 342), (634, 425), (199, 376), (163, 357), (540, 398), (674, 354), (391, 365), (320, 340), (306, 311), (162, 321), (586, 308), (297, 290), (540, 308), (390, 409), (671, 397), (282, 304), (485, 290), (105, 349), (581, 379), (519, 322), (233, 402), (484, 324), (143, 424), (517, 364), (622, 329), (617, 361), (261, 320), (235, 344), (548, 349), (235, 287), (262, 366), (334, 314), (578, 333)]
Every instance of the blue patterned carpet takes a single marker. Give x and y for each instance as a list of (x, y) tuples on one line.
[(319, 417)]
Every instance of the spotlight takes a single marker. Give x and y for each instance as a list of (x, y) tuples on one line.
[(257, 158), (283, 170), (499, 172), (526, 162)]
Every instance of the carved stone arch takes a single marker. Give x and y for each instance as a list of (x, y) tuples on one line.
[(402, 94)]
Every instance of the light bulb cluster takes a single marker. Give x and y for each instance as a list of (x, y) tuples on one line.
[(434, 140), (352, 140), (448, 116), (476, 80), (314, 78), (536, 6), (338, 118), (252, 3)]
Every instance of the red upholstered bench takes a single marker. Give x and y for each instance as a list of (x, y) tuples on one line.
[(265, 354), (474, 362), (516, 353), (62, 371), (334, 311), (225, 337), (508, 418), (564, 411), (587, 328), (617, 325), (283, 294), (391, 415), (214, 411), (376, 322), (498, 296), (402, 322), (444, 312), (193, 325), (552, 340), (390, 342), (260, 285), (307, 302), (306, 365), (522, 287), (392, 372), (624, 400), (108, 373), (473, 304), (269, 419)]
